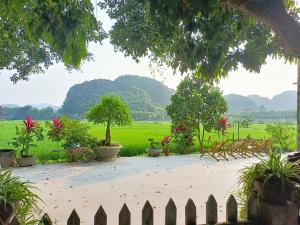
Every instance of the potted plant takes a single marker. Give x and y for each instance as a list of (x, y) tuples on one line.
[(17, 199), (153, 150), (7, 158), (76, 137), (25, 136), (273, 179), (110, 111), (165, 145)]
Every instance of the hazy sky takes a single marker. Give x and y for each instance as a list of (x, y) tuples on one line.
[(52, 86)]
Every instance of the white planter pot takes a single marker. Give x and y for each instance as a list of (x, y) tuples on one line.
[(106, 152), (24, 162), (154, 152)]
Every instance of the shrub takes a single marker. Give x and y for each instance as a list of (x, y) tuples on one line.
[(282, 134), (75, 132)]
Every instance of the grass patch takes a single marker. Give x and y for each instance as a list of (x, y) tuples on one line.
[(133, 138)]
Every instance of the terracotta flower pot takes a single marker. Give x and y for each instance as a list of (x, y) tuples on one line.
[(106, 152), (166, 151), (273, 193)]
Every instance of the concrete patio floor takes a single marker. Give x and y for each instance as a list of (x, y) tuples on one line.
[(86, 186)]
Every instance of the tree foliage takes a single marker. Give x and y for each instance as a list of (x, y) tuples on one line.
[(110, 111), (34, 34), (205, 35), (197, 104)]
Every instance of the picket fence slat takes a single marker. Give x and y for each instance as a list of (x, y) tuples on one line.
[(171, 213), (211, 210), (190, 213), (100, 217), (124, 216), (46, 220), (147, 214), (231, 210), (74, 218), (251, 209)]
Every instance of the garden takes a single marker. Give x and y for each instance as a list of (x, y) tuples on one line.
[(198, 126)]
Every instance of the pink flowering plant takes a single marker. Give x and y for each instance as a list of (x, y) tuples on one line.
[(55, 132), (25, 136)]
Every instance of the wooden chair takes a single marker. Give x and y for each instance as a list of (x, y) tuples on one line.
[(246, 147), (216, 150), (235, 149)]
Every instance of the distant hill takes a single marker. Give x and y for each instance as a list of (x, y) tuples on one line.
[(285, 101), (239, 103), (146, 97)]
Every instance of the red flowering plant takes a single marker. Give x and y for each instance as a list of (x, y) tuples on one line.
[(25, 136), (55, 132), (183, 137), (166, 141), (223, 125)]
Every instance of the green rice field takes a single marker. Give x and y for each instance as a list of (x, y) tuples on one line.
[(133, 138)]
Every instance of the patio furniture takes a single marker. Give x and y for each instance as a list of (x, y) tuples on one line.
[(216, 150)]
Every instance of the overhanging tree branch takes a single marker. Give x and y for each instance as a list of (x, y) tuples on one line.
[(273, 14)]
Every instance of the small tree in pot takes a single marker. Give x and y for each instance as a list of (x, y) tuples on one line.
[(110, 111), (25, 136)]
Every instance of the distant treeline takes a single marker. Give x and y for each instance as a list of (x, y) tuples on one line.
[(266, 116), (19, 113), (160, 114)]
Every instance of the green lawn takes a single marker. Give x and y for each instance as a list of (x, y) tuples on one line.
[(133, 138)]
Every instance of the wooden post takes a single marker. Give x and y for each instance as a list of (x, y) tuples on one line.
[(298, 107), (100, 217), (124, 216), (171, 213), (190, 213), (211, 210), (231, 210), (147, 214)]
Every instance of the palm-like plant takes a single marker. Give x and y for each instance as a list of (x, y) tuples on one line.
[(19, 195), (275, 170)]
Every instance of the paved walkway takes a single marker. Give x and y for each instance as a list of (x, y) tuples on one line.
[(86, 186)]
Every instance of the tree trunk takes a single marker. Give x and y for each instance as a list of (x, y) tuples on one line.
[(202, 139), (107, 134), (274, 15), (298, 107)]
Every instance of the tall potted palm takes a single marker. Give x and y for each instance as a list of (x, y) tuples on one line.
[(110, 111)]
